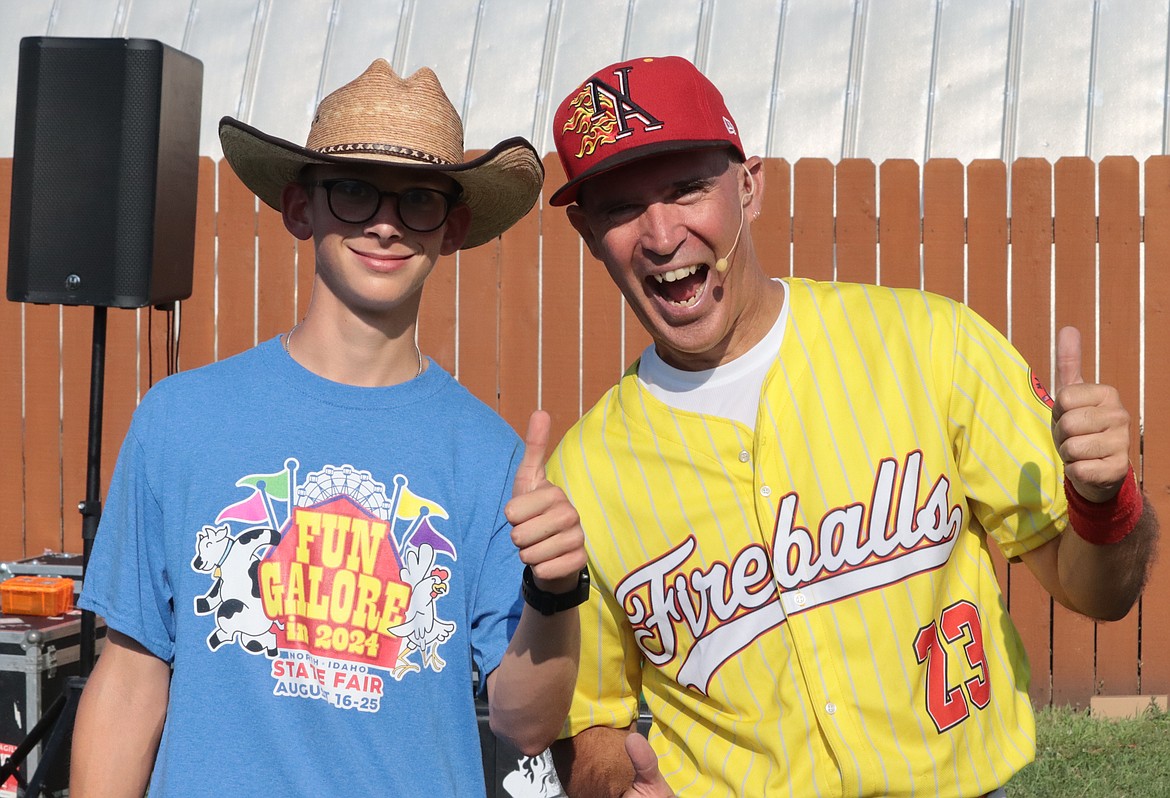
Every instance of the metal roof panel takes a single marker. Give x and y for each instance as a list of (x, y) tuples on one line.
[(804, 78)]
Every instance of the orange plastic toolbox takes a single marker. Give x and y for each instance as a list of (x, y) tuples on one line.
[(36, 595)]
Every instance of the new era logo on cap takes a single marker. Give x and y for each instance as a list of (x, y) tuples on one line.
[(634, 109)]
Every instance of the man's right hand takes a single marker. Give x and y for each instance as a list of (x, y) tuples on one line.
[(604, 761)]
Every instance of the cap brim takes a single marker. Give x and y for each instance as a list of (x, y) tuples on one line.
[(499, 187), (567, 194)]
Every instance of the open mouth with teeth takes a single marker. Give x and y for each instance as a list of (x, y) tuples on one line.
[(681, 287)]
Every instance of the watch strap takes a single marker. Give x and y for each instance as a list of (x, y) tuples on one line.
[(550, 603)]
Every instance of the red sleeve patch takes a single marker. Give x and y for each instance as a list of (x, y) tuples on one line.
[(1040, 391)]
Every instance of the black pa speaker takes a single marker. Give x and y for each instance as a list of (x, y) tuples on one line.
[(104, 173)]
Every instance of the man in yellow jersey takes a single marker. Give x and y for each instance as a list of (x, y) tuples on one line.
[(789, 499)]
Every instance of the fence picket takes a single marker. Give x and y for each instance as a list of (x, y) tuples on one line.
[(275, 275), (942, 228), (772, 232), (1031, 258), (1155, 465), (857, 223), (1120, 232), (196, 315), (12, 470), (987, 259), (900, 224), (43, 502), (812, 219), (479, 319), (235, 272), (1075, 230), (519, 320), (561, 264)]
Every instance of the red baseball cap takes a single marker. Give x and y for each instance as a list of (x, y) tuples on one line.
[(633, 109)]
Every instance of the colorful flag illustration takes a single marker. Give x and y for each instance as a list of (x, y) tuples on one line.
[(275, 485), (425, 533), (252, 510), (411, 506)]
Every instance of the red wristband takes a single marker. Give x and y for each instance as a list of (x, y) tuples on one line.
[(1102, 523)]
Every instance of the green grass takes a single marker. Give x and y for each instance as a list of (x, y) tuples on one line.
[(1082, 757)]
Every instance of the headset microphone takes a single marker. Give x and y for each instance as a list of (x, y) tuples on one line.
[(722, 264)]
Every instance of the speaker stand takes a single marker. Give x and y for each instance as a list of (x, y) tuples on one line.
[(58, 720), (91, 508)]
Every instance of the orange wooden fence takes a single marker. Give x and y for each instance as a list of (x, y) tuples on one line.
[(531, 320)]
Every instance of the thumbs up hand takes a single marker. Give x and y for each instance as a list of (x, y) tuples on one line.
[(648, 780), (1089, 425), (545, 526)]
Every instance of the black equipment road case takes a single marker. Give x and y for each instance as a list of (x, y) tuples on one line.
[(37, 656)]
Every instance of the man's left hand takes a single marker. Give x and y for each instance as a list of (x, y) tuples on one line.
[(545, 526), (1089, 425)]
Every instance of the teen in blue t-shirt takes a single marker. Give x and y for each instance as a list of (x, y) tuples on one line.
[(308, 547)]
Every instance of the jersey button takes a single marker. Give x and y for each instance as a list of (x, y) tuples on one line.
[(830, 707), (765, 491), (744, 457)]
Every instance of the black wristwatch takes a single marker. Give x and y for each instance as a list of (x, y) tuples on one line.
[(549, 603)]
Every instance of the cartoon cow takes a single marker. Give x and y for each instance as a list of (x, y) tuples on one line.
[(234, 596)]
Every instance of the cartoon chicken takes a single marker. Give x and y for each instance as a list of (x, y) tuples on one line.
[(422, 630)]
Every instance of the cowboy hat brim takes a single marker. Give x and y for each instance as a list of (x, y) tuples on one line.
[(499, 187)]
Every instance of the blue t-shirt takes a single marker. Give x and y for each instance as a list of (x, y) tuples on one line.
[(322, 565)]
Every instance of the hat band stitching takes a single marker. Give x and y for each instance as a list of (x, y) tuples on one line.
[(390, 149)]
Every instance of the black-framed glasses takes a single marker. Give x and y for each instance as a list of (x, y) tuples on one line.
[(419, 209)]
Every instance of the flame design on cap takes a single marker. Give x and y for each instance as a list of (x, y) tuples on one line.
[(595, 130)]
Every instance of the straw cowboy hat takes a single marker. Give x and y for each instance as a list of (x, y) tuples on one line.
[(380, 118)]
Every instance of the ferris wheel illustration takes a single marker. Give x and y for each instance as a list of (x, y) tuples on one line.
[(345, 480)]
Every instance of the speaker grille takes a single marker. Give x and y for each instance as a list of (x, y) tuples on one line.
[(86, 160)]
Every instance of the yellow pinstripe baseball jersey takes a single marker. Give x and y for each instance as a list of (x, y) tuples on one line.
[(810, 608)]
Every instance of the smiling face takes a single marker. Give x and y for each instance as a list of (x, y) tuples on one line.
[(660, 225), (376, 267)]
